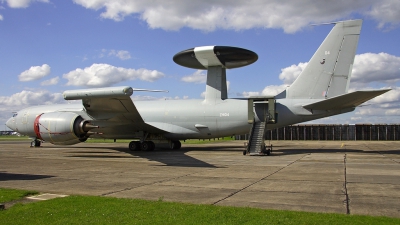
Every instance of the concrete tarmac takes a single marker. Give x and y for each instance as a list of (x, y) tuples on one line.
[(317, 176)]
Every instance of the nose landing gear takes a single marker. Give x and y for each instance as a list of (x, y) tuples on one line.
[(36, 143)]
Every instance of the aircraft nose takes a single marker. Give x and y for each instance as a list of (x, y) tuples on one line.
[(10, 124)]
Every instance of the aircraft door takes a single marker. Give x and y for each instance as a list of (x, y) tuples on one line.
[(265, 111)]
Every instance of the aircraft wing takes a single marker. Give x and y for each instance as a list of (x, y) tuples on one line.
[(106, 103), (349, 100)]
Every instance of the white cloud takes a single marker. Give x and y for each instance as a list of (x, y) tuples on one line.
[(101, 75), (197, 77), (22, 3), (386, 12), (289, 74), (1, 17), (270, 90), (249, 94), (291, 16), (29, 98), (35, 73), (52, 81), (122, 54), (273, 90), (372, 67)]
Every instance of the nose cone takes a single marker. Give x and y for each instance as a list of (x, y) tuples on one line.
[(11, 124)]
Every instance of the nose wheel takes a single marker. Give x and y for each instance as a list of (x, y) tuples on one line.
[(175, 145), (36, 143)]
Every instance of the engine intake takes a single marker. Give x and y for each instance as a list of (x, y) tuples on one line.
[(62, 128)]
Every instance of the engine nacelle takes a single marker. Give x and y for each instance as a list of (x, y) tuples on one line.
[(62, 128)]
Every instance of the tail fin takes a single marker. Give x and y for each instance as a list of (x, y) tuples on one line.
[(329, 70)]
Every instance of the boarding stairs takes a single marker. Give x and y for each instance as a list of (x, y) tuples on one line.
[(256, 143), (256, 140), (266, 114)]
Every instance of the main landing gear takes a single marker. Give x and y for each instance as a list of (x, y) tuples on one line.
[(144, 146), (149, 145)]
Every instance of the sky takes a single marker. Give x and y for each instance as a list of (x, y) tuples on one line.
[(49, 46)]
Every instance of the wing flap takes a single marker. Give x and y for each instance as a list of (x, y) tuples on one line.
[(349, 100)]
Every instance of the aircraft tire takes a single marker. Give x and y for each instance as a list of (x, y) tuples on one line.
[(134, 146), (36, 143), (152, 146), (145, 146), (176, 144)]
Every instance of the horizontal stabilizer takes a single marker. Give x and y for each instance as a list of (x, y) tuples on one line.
[(350, 100)]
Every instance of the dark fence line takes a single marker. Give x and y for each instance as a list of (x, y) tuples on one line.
[(333, 132)]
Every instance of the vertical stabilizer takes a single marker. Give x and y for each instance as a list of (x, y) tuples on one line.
[(328, 72)]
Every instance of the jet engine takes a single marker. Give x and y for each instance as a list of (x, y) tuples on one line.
[(62, 128)]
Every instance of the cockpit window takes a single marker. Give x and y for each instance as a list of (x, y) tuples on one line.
[(15, 114)]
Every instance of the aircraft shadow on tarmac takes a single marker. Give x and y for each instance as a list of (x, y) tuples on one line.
[(167, 157), (281, 152), (4, 176), (179, 158)]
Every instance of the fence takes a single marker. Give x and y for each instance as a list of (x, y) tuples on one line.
[(341, 132)]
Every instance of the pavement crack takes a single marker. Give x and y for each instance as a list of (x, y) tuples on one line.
[(347, 200), (152, 183), (235, 192)]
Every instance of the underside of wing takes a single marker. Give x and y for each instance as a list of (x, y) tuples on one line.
[(349, 100)]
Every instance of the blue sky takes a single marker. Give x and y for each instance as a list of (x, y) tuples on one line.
[(50, 46)]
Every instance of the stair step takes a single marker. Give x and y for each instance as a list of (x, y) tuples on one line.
[(256, 138)]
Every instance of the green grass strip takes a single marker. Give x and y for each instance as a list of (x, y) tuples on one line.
[(106, 210), (14, 138), (207, 141), (8, 195)]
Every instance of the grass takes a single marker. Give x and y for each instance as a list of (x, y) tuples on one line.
[(92, 140), (13, 138), (7, 195), (106, 210), (205, 141)]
